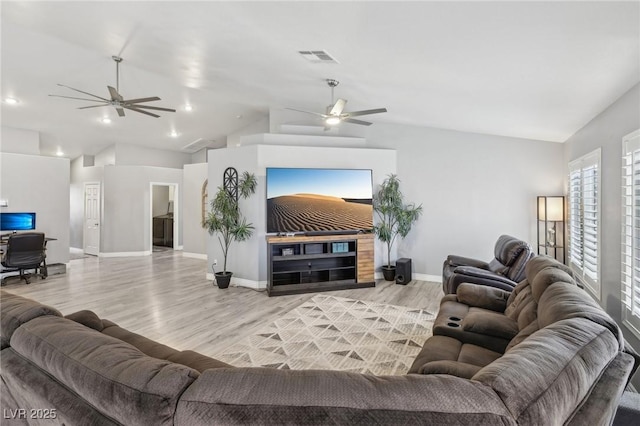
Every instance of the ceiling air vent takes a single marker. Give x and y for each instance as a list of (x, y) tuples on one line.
[(317, 56)]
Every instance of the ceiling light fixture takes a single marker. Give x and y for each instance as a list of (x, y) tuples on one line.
[(188, 107), (173, 134), (10, 101), (59, 152), (333, 120), (106, 120)]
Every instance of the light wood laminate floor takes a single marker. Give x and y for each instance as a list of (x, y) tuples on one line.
[(166, 297)]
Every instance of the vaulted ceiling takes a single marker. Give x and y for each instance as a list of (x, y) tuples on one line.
[(538, 70)]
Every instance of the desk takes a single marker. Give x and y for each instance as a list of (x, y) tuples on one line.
[(4, 239)]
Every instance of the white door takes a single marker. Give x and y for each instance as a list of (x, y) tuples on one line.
[(92, 218)]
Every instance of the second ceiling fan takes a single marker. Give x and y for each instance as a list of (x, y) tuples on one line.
[(116, 100), (335, 112)]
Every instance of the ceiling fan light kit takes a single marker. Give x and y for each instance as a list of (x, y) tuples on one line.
[(335, 112), (116, 100)]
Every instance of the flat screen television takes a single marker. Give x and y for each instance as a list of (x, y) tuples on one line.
[(303, 200), (17, 221)]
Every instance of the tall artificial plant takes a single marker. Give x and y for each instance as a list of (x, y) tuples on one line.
[(225, 218), (395, 218)]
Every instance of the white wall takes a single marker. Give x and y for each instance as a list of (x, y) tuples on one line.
[(606, 131), (472, 187), (260, 126), (133, 155), (195, 237), (126, 225), (19, 141), (248, 260), (33, 183)]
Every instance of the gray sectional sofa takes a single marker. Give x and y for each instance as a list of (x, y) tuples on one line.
[(570, 367)]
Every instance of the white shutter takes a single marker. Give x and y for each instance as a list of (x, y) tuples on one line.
[(584, 220), (631, 231)]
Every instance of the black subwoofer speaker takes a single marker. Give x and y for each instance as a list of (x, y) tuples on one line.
[(403, 271)]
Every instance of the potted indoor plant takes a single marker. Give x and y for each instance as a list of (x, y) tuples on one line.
[(395, 218), (226, 220)]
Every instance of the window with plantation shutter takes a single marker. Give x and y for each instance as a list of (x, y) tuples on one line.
[(631, 231), (584, 220)]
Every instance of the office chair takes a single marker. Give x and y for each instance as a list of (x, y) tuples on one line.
[(24, 251)]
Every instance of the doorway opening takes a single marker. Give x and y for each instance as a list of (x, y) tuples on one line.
[(164, 216)]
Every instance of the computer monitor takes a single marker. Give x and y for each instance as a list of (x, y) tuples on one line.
[(17, 221)]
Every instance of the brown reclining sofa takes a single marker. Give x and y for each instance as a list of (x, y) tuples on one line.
[(568, 365)]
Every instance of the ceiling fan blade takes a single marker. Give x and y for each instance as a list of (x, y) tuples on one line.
[(80, 99), (364, 112), (309, 112), (140, 111), (120, 111), (338, 107), (94, 106), (149, 107), (354, 121), (114, 94), (86, 93), (137, 101)]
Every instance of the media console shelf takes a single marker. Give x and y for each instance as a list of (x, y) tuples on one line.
[(303, 264)]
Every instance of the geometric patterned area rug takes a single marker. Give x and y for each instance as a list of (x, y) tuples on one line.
[(336, 333)]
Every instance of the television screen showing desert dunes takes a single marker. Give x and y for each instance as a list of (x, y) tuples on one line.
[(302, 200)]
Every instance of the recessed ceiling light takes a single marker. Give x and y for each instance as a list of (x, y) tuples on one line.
[(10, 101), (173, 134), (188, 107), (106, 120), (59, 152)]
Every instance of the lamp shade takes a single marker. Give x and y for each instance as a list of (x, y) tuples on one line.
[(551, 208)]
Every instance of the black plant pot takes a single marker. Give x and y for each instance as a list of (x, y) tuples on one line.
[(223, 279), (389, 273)]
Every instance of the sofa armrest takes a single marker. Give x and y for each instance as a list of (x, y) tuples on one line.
[(454, 260), (490, 324), (482, 296), (475, 275)]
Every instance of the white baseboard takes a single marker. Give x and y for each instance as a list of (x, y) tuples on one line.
[(125, 254), (194, 255), (179, 248), (76, 250), (418, 277), (243, 282)]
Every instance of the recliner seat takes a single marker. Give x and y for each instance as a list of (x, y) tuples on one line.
[(504, 271)]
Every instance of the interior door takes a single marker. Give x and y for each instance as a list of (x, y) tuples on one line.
[(92, 218)]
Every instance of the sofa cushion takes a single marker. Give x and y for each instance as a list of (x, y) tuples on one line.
[(563, 301), (87, 318), (518, 300), (113, 376), (16, 310), (490, 324), (444, 348), (540, 262), (145, 345), (228, 396), (559, 365), (482, 296), (523, 334), (197, 361), (547, 277)]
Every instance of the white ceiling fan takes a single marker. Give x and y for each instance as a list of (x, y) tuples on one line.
[(335, 112), (116, 100)]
